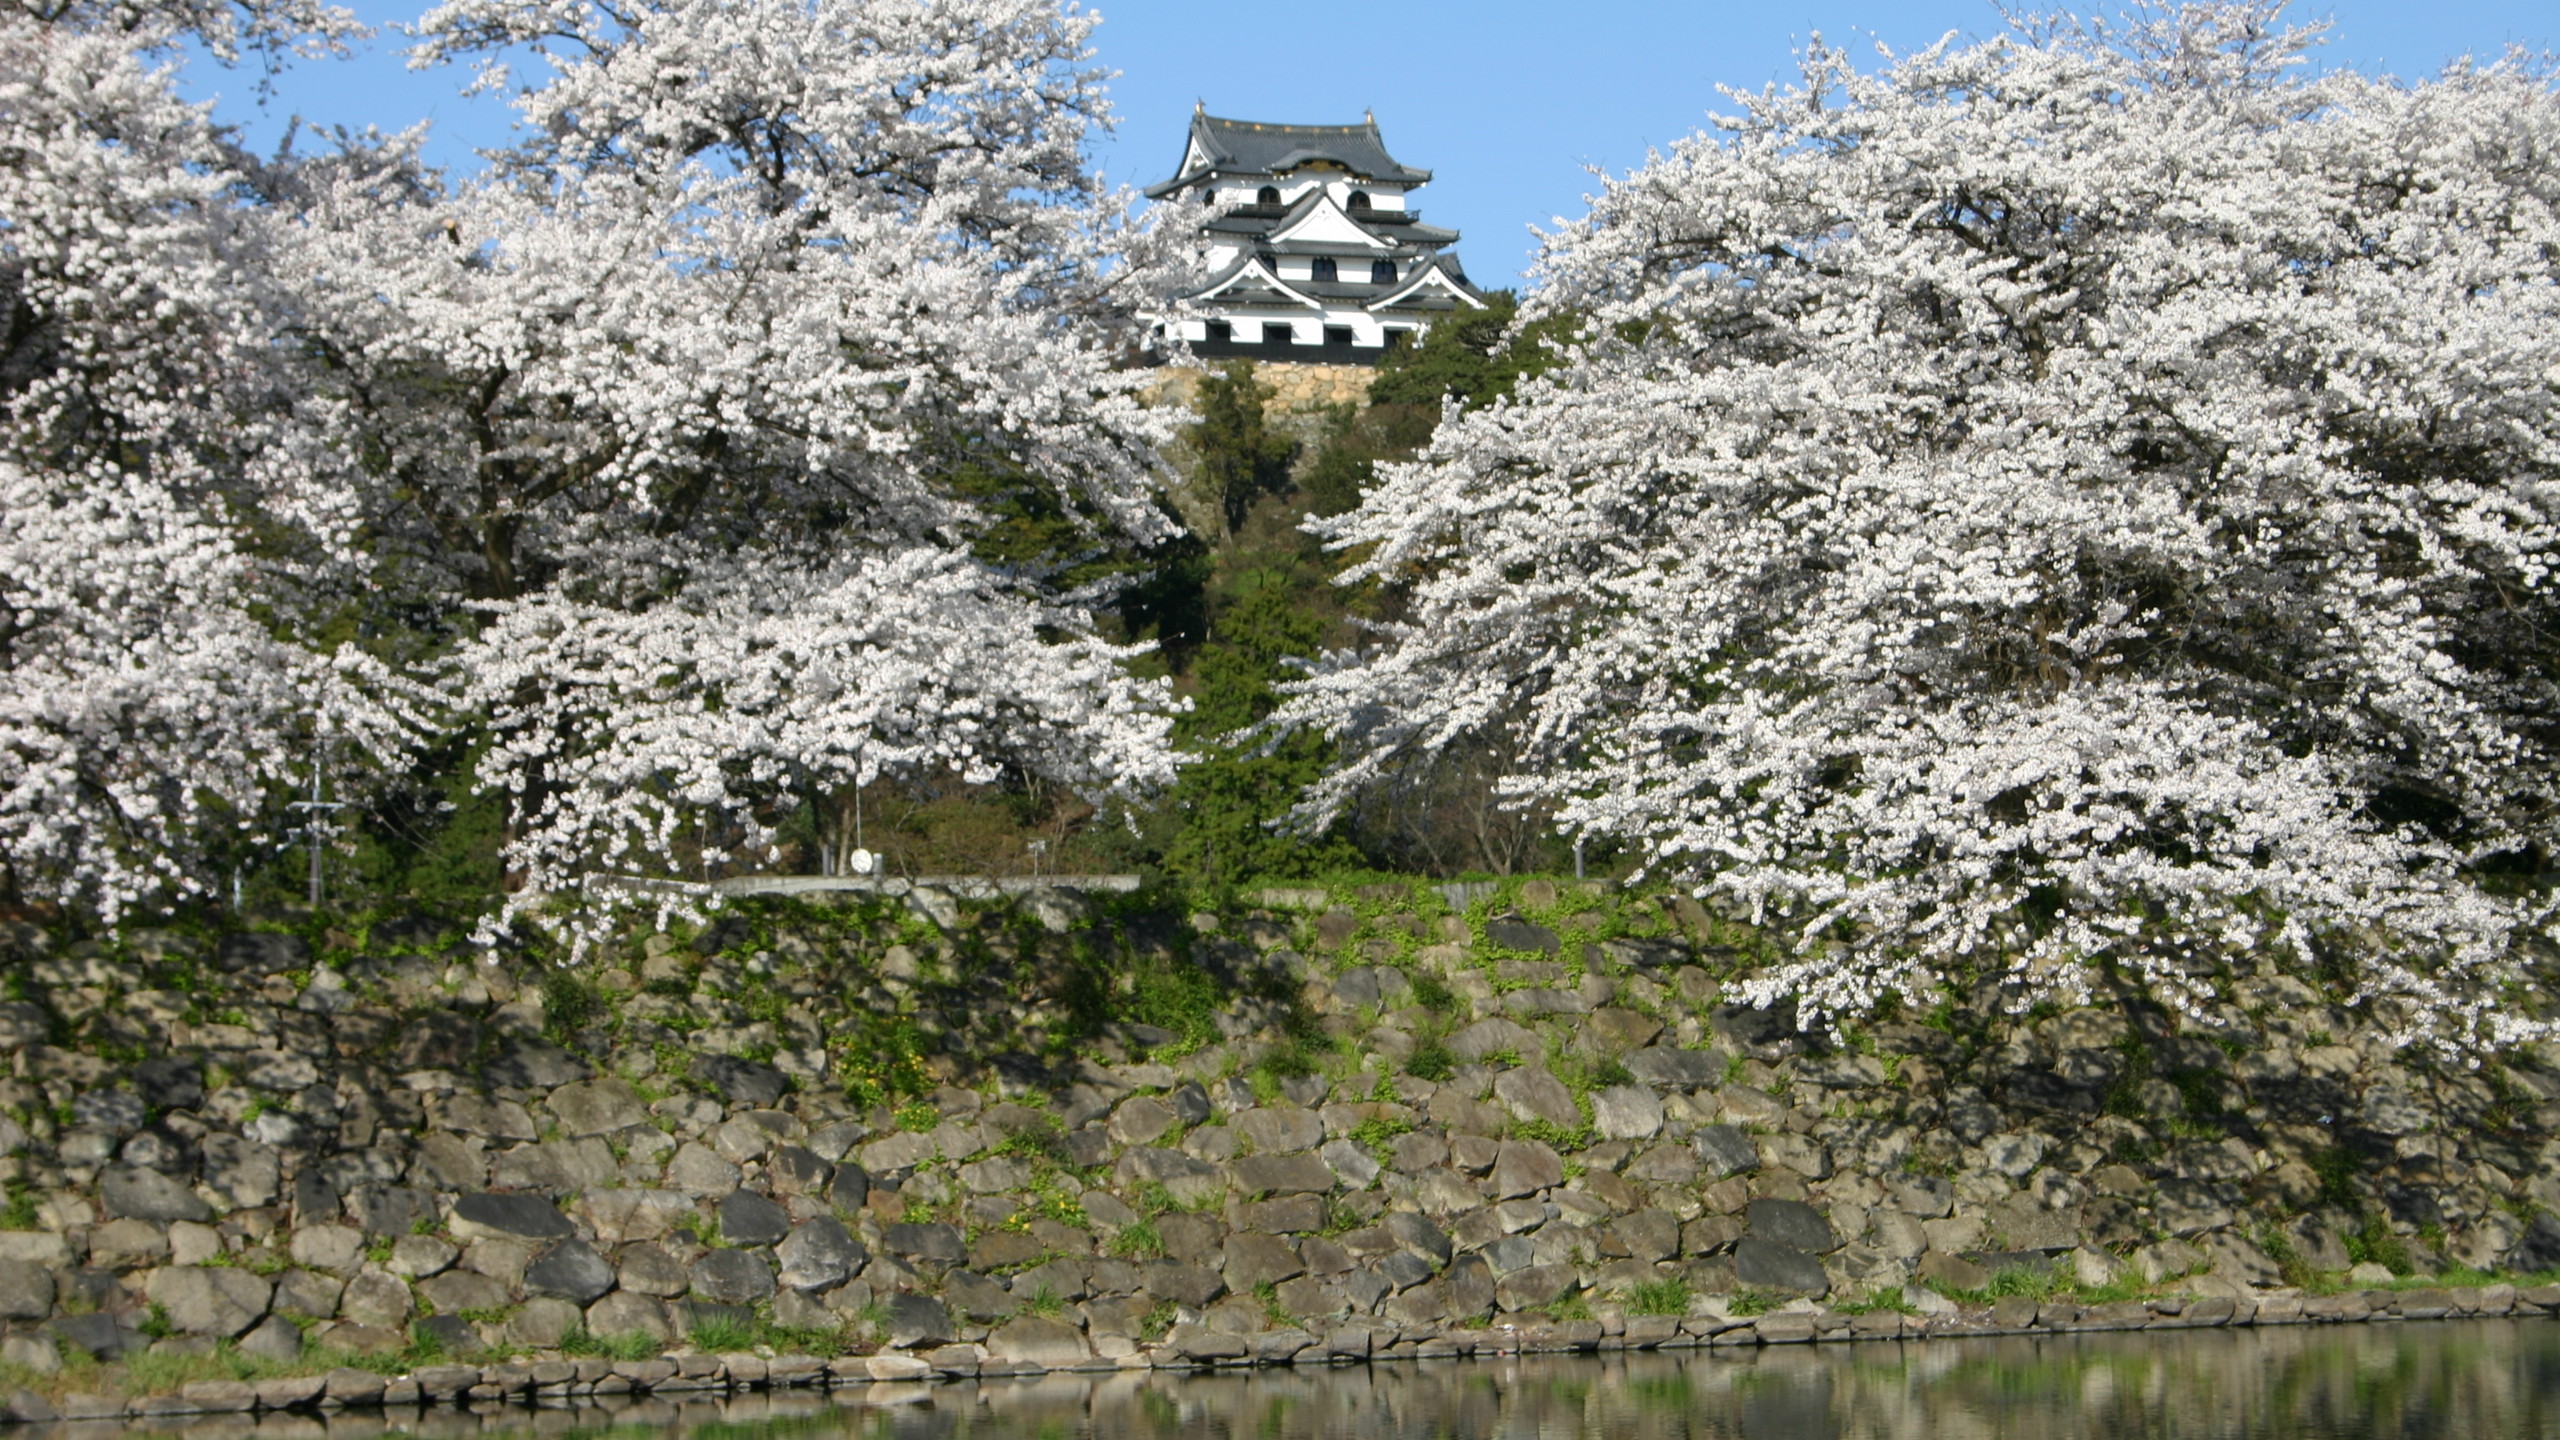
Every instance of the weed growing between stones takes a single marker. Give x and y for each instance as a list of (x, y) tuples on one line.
[(630, 1345), (1668, 1296)]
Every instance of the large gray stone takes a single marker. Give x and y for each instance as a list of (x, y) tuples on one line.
[(1046, 1343), (650, 1270), (733, 1277), (26, 1290), (1513, 933), (1726, 1149), (1280, 1129), (1792, 1223), (1534, 1094), (742, 1082), (218, 1301), (245, 1174), (936, 1242), (456, 1292), (139, 1194), (523, 1063), (626, 1313), (274, 1338), (98, 1335), (1254, 1260), (1525, 1167), (1626, 1112), (488, 1216), (1767, 1265), (819, 1255), (1670, 1068), (1535, 1287), (597, 1108), (1350, 1162), (913, 1321), (555, 1167), (570, 1269), (1192, 1285), (699, 1170), (1281, 1174), (747, 1218), (1140, 1121), (1186, 1177), (377, 1298), (1493, 1037)]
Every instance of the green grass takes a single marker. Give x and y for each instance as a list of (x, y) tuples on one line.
[(715, 1334), (631, 1345), (1139, 1241), (1659, 1297), (1748, 1302), (1888, 1297)]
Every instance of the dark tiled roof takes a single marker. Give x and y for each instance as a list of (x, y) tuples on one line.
[(1264, 219), (1244, 147)]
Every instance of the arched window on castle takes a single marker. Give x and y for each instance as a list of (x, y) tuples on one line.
[(1359, 200), (1322, 268), (1267, 195)]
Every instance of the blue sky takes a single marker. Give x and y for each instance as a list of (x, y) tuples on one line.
[(1510, 103)]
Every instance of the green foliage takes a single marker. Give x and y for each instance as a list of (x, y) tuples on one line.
[(1140, 1240), (1241, 458), (1747, 1302), (631, 1345), (1889, 1297), (1355, 441), (1224, 801), (881, 1058), (1466, 356), (713, 1334), (570, 1004), (2374, 1242), (1561, 1139), (1668, 1296), (19, 1211), (1431, 1061)]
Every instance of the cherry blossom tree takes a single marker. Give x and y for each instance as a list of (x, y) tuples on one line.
[(725, 397), (2072, 505), (160, 531)]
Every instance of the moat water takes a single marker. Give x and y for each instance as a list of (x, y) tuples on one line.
[(2466, 1380)]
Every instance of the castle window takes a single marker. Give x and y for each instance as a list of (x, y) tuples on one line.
[(1279, 332), (1337, 334), (1382, 272), (1359, 199), (1208, 195), (1267, 195), (1220, 332), (1322, 268)]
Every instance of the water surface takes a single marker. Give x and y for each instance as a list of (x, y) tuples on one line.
[(2468, 1380)]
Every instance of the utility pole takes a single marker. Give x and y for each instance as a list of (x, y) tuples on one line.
[(316, 829)]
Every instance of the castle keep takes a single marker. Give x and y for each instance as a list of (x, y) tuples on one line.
[(1313, 250)]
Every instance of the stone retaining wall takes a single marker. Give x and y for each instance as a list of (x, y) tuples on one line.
[(883, 1377), (1389, 1127), (1294, 387)]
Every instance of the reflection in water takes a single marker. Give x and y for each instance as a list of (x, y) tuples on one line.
[(2471, 1380)]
